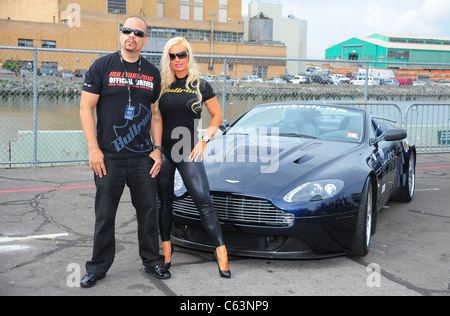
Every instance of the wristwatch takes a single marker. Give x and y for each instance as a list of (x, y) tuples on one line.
[(157, 147), (206, 139)]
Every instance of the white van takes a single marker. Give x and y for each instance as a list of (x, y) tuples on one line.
[(361, 81)]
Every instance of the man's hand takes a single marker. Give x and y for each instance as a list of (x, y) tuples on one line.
[(96, 162)]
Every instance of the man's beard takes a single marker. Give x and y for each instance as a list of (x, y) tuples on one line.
[(130, 45)]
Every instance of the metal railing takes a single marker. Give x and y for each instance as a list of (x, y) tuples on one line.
[(39, 106)]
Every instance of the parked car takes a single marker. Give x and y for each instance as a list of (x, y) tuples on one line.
[(4, 72), (47, 72), (23, 72), (276, 80), (296, 180), (343, 79), (210, 78), (335, 80), (404, 81), (321, 80), (360, 81), (66, 74), (252, 79), (80, 72), (299, 79), (390, 82)]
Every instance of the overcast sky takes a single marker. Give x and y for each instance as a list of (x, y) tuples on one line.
[(333, 21)]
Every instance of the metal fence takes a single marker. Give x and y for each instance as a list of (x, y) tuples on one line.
[(39, 104)]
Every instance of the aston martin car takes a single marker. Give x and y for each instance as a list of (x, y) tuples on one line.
[(295, 180)]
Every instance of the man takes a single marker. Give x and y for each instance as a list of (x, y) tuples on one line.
[(123, 88)]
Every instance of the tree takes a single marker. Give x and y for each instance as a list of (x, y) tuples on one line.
[(12, 64)]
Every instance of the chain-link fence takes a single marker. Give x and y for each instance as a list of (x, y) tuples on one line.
[(40, 95)]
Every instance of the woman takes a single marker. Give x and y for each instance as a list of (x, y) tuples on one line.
[(182, 94)]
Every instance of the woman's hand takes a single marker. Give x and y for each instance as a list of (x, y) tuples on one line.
[(198, 151), (156, 156)]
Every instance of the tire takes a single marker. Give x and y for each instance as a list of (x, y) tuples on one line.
[(364, 223), (406, 192)]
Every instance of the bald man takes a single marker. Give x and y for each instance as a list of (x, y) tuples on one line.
[(124, 147)]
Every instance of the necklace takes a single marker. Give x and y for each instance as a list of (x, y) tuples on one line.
[(127, 82)]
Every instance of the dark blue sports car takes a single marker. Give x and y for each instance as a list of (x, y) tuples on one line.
[(295, 180)]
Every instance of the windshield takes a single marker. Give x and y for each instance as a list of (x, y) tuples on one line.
[(305, 121)]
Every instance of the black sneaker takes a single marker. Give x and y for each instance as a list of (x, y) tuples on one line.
[(158, 271)]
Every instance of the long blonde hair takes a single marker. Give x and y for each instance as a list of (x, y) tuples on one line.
[(168, 75)]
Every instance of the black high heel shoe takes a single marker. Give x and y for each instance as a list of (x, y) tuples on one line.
[(224, 274)]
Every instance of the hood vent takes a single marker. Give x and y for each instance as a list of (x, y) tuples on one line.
[(303, 159)]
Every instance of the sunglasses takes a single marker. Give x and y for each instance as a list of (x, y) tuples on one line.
[(181, 56), (128, 31)]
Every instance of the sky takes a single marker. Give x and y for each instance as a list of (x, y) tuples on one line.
[(331, 22)]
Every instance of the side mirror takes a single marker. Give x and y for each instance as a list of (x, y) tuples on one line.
[(395, 134), (225, 124), (391, 134)]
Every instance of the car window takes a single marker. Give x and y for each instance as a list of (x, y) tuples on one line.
[(303, 121)]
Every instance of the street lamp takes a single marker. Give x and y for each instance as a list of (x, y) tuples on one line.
[(212, 15)]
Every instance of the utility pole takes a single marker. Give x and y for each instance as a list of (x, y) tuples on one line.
[(212, 15)]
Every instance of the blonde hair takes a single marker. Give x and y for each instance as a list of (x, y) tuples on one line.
[(168, 75)]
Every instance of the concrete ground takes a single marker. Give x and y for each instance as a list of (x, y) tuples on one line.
[(47, 221)]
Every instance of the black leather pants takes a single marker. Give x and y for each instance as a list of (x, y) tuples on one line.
[(196, 182)]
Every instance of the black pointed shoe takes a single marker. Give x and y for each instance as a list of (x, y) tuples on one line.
[(158, 271), (89, 280)]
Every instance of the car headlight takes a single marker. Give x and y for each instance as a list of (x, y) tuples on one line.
[(314, 191), (178, 182)]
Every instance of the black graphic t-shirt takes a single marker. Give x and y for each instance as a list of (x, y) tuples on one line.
[(121, 134), (179, 120)]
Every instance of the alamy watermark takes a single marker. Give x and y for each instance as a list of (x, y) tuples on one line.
[(251, 145), (72, 15), (74, 277), (374, 278)]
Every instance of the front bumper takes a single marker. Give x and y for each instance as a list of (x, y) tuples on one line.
[(307, 238)]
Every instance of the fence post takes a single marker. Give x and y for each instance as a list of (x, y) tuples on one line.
[(224, 93), (366, 84), (35, 108)]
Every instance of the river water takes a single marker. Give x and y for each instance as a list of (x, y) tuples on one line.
[(62, 113)]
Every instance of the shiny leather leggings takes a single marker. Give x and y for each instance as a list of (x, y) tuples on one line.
[(196, 182)]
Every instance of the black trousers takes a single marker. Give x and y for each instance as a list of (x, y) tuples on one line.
[(196, 182), (135, 174)]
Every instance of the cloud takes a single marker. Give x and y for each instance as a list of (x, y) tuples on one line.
[(426, 19), (374, 15), (433, 11), (334, 21)]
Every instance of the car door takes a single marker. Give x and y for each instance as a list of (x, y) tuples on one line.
[(384, 160)]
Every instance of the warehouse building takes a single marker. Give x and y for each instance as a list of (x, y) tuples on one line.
[(381, 47)]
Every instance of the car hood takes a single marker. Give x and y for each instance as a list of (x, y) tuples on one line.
[(260, 167)]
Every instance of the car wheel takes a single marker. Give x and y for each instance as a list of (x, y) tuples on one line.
[(364, 223), (406, 193)]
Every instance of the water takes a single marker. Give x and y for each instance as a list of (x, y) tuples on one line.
[(62, 113)]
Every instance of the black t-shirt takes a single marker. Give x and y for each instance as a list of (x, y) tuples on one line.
[(180, 122), (118, 136)]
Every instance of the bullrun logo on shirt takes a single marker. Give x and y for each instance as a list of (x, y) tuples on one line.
[(119, 79), (127, 133)]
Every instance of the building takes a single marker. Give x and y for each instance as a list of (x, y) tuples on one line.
[(95, 25), (392, 48), (295, 39)]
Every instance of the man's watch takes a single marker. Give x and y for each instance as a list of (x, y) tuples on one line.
[(206, 139), (157, 147)]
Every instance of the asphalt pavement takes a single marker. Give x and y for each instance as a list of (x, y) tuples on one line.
[(47, 221)]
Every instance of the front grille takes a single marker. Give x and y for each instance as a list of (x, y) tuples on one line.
[(239, 209)]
